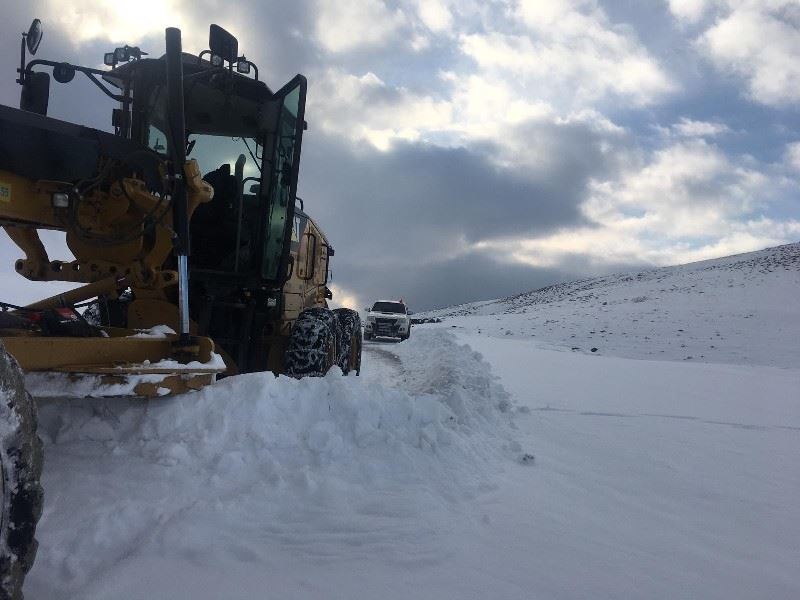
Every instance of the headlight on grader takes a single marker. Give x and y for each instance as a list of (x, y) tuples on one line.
[(60, 200)]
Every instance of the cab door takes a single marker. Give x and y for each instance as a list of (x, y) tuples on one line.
[(279, 177), (294, 289)]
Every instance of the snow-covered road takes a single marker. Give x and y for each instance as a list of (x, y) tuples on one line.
[(650, 480)]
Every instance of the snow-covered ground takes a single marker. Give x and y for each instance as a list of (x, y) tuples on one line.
[(740, 309), (483, 458)]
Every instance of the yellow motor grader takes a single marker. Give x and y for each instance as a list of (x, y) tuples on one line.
[(191, 257)]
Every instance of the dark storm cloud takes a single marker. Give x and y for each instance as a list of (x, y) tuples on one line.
[(395, 217), (467, 278), (422, 197), (278, 39), (470, 277)]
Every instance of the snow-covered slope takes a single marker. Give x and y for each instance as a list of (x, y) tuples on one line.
[(741, 309)]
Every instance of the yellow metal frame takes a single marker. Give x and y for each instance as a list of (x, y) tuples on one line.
[(117, 357), (115, 256)]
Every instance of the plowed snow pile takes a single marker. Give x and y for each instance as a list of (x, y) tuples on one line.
[(257, 469)]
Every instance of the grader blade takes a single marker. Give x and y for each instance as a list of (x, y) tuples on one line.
[(119, 365)]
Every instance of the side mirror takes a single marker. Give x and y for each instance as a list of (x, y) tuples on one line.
[(34, 36), (35, 93), (410, 312), (222, 44), (369, 308)]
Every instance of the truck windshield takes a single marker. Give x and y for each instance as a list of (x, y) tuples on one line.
[(389, 307)]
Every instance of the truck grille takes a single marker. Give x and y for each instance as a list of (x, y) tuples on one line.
[(386, 327)]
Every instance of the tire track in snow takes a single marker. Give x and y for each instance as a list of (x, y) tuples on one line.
[(748, 426), (382, 365)]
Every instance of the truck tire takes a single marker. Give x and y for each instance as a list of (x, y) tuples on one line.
[(312, 346), (20, 471), (349, 331)]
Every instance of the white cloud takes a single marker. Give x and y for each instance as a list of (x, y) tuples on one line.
[(792, 156), (485, 106), (435, 14), (602, 247), (126, 22), (687, 190), (347, 26), (758, 40), (690, 128), (690, 11), (475, 110), (366, 108), (569, 57), (573, 44), (687, 202)]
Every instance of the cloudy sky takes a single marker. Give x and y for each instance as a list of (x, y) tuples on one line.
[(462, 150)]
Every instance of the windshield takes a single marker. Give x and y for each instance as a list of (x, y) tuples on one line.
[(389, 307), (223, 141), (242, 227), (211, 151), (214, 152)]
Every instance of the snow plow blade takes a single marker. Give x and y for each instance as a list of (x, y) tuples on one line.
[(118, 365)]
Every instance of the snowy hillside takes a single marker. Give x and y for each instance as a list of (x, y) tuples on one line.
[(738, 309), (483, 458)]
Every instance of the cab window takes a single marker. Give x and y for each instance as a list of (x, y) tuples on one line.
[(297, 232), (307, 249)]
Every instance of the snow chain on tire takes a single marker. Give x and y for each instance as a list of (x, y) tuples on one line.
[(349, 331), (21, 469), (312, 346)]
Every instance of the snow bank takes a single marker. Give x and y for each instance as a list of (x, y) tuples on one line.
[(434, 363), (307, 464)]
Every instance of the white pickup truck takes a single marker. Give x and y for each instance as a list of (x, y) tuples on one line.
[(388, 318)]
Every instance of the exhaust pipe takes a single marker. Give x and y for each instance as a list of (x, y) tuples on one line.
[(177, 152)]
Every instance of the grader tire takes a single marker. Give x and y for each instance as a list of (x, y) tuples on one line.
[(20, 470), (349, 331), (312, 347)]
